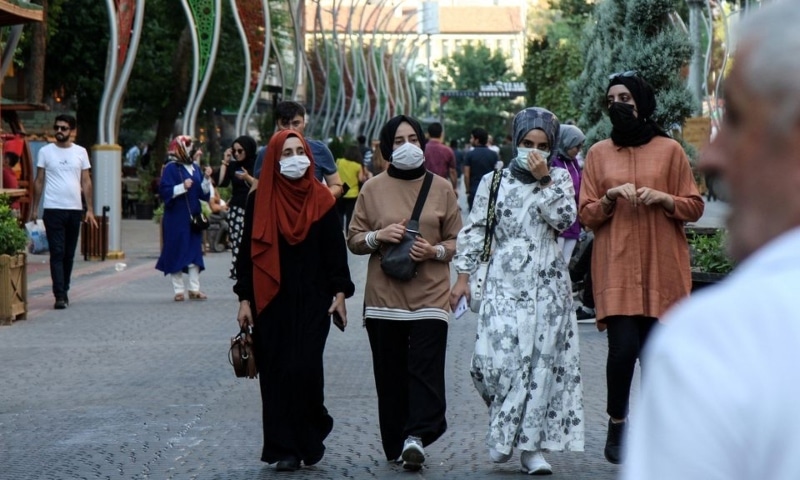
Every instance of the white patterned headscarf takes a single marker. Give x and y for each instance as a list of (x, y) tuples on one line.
[(536, 117)]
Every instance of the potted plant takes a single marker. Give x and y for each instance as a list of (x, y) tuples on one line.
[(709, 258), (13, 275)]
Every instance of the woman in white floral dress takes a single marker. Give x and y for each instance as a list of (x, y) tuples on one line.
[(526, 363)]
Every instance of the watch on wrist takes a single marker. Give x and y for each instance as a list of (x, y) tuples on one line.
[(545, 180)]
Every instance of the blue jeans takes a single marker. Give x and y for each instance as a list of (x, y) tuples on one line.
[(63, 228)]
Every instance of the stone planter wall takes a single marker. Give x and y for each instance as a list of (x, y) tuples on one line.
[(13, 288), (703, 279)]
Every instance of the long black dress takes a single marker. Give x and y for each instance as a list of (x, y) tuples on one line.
[(290, 334)]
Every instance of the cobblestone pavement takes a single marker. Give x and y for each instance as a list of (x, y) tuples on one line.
[(127, 384)]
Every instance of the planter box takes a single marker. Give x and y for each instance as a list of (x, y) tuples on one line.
[(13, 288), (703, 279)]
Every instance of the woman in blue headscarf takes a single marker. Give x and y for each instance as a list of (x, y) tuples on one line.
[(526, 364)]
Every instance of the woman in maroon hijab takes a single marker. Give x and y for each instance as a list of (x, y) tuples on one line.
[(292, 275)]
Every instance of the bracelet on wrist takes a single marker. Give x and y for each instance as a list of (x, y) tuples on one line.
[(372, 240)]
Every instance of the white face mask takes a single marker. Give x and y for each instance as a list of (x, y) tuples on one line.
[(522, 156), (407, 157), (294, 167)]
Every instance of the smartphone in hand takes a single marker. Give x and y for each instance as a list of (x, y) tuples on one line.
[(337, 320), (461, 307)]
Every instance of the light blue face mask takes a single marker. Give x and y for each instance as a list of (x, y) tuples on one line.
[(522, 156)]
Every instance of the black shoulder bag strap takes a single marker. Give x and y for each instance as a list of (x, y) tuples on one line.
[(491, 219), (413, 222), (186, 193)]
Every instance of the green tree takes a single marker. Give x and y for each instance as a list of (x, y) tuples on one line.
[(76, 61), (556, 58), (633, 35), (470, 68), (158, 87), (34, 49), (549, 65)]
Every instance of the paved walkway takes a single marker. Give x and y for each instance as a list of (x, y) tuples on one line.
[(127, 384)]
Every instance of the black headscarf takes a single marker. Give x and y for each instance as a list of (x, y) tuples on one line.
[(250, 146), (387, 145), (643, 128)]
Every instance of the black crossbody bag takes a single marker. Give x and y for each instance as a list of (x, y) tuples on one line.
[(396, 262)]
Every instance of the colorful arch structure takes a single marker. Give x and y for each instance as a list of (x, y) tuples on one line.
[(252, 17), (360, 62), (204, 18)]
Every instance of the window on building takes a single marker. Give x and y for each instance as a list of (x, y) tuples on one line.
[(514, 49)]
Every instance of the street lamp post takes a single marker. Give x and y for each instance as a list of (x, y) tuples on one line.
[(428, 76), (430, 26)]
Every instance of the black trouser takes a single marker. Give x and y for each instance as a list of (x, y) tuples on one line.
[(345, 207), (408, 358), (63, 228), (627, 336)]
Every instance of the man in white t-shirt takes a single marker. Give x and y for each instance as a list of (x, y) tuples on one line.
[(720, 389), (63, 168)]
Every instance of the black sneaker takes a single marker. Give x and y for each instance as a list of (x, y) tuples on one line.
[(61, 304), (584, 314)]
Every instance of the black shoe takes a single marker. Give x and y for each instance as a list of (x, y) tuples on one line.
[(66, 299), (613, 450), (313, 460), (61, 304), (584, 314), (290, 464)]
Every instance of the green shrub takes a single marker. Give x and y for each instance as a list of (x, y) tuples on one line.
[(708, 252), (12, 238)]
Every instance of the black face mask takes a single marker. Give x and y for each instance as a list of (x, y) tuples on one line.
[(630, 131), (623, 118)]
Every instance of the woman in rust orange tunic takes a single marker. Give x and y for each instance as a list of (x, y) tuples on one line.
[(638, 191)]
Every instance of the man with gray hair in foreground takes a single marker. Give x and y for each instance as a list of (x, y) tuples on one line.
[(719, 396)]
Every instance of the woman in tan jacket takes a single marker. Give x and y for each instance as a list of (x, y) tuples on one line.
[(407, 320), (638, 191)]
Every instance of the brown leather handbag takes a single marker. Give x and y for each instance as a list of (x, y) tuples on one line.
[(241, 354)]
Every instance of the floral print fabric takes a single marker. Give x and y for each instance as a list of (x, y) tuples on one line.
[(235, 228), (526, 363)]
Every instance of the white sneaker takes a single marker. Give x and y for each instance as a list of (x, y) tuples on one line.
[(413, 454), (533, 463), (498, 457)]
